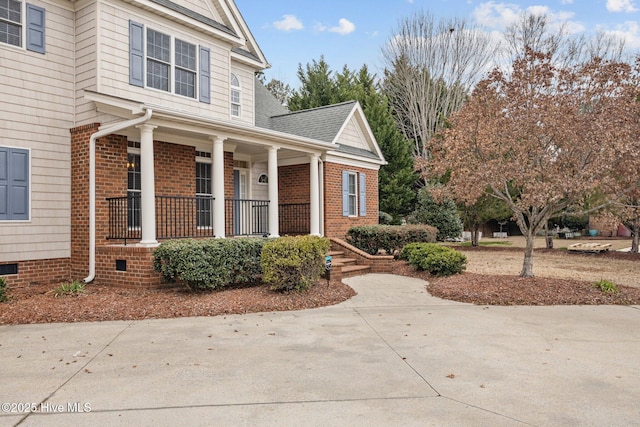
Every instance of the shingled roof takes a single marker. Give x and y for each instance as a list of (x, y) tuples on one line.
[(322, 123)]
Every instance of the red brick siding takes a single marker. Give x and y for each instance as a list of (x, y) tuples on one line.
[(294, 184), (228, 176), (80, 198), (336, 225), (39, 271)]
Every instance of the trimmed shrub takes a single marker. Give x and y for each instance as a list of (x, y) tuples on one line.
[(391, 238), (3, 289), (293, 263), (436, 259), (209, 264)]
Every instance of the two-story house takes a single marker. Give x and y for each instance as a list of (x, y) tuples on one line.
[(127, 122)]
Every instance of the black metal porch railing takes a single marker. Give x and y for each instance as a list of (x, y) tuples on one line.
[(183, 217), (176, 217), (245, 217), (294, 218)]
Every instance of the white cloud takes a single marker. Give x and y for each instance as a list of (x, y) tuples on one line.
[(318, 27), (344, 27), (499, 16), (621, 6), (630, 33), (566, 1), (288, 23)]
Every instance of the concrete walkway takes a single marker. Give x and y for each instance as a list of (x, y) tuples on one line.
[(391, 356)]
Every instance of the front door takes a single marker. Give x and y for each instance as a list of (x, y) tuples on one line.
[(240, 204)]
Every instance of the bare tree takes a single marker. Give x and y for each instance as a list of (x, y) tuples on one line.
[(533, 31), (430, 68)]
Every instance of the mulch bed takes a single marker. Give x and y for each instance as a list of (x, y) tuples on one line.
[(38, 303), (485, 289)]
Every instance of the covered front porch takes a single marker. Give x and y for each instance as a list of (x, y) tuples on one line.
[(230, 188)]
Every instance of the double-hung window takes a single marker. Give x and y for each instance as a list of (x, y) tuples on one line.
[(161, 61), (11, 22), (158, 60), (16, 25), (185, 68), (14, 184), (354, 194), (204, 208)]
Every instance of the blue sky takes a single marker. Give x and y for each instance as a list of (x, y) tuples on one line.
[(352, 32)]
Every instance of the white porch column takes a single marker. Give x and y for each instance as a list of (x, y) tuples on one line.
[(147, 186), (219, 220), (272, 170), (314, 195)]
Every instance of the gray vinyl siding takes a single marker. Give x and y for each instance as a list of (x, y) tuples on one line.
[(36, 114)]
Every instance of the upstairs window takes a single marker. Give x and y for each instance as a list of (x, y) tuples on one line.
[(185, 69), (163, 62), (236, 106), (158, 60), (14, 27), (11, 22)]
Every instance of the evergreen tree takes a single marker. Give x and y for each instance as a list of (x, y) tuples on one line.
[(444, 215)]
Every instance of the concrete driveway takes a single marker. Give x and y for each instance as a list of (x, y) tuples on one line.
[(391, 356)]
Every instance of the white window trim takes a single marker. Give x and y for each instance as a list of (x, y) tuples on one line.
[(238, 89), (23, 28), (172, 65), (136, 151), (208, 161), (355, 195)]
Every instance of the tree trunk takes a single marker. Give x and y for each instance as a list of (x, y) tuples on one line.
[(527, 265), (474, 237), (635, 242), (548, 238)]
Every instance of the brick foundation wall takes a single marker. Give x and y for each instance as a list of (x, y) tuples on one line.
[(139, 267), (39, 271), (336, 225)]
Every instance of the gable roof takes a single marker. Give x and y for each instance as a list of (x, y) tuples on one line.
[(198, 17), (325, 124)]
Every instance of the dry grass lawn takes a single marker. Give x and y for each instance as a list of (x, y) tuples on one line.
[(557, 263)]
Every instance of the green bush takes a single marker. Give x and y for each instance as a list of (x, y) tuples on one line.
[(3, 289), (293, 263), (391, 238), (211, 263), (436, 259)]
